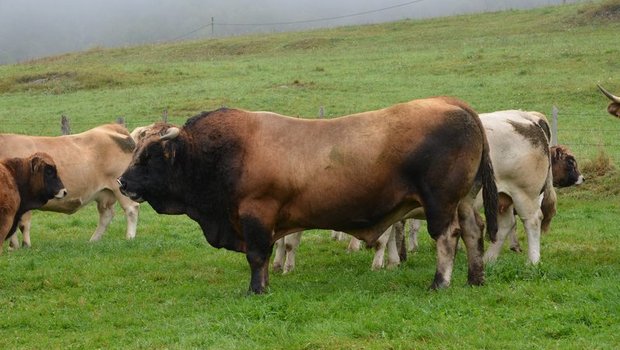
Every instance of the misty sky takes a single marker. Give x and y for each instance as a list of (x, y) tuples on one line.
[(36, 28)]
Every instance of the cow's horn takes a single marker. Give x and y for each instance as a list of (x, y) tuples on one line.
[(170, 134), (616, 99)]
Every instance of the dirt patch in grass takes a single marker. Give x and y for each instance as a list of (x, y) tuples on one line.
[(61, 82)]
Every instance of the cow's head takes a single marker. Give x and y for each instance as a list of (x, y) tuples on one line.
[(614, 106), (44, 180), (150, 175), (564, 167)]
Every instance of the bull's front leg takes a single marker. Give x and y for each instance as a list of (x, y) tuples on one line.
[(259, 248)]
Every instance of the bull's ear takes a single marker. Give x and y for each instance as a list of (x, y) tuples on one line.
[(170, 152)]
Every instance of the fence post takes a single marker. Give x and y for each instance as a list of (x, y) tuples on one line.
[(164, 116), (120, 120), (65, 129), (321, 112), (554, 126)]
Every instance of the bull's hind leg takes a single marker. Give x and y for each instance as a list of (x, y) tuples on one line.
[(471, 232), (258, 252), (446, 250)]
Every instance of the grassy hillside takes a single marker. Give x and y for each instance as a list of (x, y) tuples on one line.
[(169, 289)]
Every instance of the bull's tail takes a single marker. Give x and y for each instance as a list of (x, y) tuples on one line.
[(489, 190), (548, 205)]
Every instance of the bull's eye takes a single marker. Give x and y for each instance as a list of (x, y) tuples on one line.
[(49, 171)]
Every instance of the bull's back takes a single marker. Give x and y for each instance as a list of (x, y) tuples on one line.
[(363, 166)]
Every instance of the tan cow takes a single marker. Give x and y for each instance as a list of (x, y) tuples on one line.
[(26, 184), (88, 164), (614, 106)]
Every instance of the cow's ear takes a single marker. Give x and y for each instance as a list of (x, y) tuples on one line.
[(35, 163), (557, 154)]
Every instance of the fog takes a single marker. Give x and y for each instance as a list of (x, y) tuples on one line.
[(36, 28)]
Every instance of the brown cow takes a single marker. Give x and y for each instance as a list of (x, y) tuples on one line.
[(614, 106), (26, 184), (88, 163), (250, 178)]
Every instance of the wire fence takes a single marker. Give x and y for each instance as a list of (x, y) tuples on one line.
[(585, 134)]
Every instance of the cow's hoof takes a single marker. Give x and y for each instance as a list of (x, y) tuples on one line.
[(276, 268), (439, 282)]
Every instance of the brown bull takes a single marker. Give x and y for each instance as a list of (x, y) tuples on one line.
[(26, 184), (88, 163), (250, 178)]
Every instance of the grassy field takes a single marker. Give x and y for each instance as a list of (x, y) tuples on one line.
[(169, 289)]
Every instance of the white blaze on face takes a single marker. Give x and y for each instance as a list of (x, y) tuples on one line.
[(579, 180)]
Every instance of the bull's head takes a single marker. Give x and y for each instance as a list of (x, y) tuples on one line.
[(150, 173), (614, 106), (44, 177)]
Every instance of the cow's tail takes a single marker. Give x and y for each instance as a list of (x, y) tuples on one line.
[(548, 204), (489, 190)]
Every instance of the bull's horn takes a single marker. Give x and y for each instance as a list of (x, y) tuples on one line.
[(616, 99), (171, 133)]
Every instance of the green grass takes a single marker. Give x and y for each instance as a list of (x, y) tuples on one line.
[(169, 289)]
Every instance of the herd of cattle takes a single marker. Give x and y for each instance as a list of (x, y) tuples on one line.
[(255, 179)]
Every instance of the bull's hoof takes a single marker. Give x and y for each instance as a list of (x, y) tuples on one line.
[(255, 291), (475, 280), (516, 249)]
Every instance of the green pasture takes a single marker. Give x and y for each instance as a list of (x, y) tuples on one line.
[(168, 289)]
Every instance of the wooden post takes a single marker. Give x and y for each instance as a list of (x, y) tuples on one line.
[(65, 129), (321, 112), (554, 126), (212, 30), (120, 120), (164, 116)]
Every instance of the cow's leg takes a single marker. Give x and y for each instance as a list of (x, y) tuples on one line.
[(471, 232), (24, 227), (399, 238), (380, 244), (105, 207), (259, 248), (354, 244), (531, 215), (291, 243), (514, 240), (337, 235), (386, 240), (131, 210), (412, 242), (505, 223), (280, 255)]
